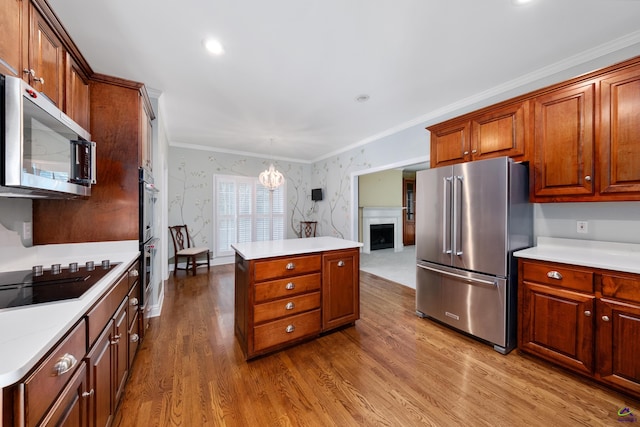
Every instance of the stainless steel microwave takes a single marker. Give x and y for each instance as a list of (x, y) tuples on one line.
[(45, 154)]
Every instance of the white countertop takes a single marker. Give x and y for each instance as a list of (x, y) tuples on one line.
[(274, 248), (27, 333), (588, 253)]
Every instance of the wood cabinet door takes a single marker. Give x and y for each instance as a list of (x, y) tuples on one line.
[(71, 408), (564, 142), (101, 378), (340, 288), (46, 59), (500, 132), (77, 94), (120, 341), (557, 324), (618, 344), (450, 144), (14, 23), (619, 165)]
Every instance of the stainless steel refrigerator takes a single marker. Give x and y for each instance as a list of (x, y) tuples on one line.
[(470, 217)]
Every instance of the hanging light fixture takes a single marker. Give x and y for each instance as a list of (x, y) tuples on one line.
[(271, 178)]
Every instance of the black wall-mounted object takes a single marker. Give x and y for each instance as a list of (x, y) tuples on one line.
[(316, 194)]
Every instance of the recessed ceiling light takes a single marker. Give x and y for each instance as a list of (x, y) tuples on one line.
[(521, 2), (362, 98), (213, 46)]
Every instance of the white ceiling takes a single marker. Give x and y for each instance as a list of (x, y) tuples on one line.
[(293, 68)]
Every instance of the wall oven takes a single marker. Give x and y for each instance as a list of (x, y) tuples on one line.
[(148, 242)]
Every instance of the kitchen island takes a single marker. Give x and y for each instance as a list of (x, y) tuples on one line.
[(288, 291)]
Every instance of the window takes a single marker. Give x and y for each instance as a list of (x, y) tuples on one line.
[(245, 211)]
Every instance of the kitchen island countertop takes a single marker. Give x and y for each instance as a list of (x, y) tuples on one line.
[(588, 253), (27, 333), (274, 248)]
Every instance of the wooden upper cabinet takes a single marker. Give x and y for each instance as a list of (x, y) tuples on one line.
[(620, 134), (14, 23), (46, 59), (564, 129), (450, 143), (500, 132), (77, 93), (493, 132)]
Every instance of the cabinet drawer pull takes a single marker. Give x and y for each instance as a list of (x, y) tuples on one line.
[(133, 302), (587, 313), (39, 80), (340, 263), (554, 275), (134, 338), (64, 364), (290, 306), (290, 286), (605, 318), (290, 329), (88, 393), (290, 266)]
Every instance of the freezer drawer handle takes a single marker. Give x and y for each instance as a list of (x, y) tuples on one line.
[(459, 276), (554, 275)]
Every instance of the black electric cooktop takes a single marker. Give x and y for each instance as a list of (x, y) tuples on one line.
[(37, 286)]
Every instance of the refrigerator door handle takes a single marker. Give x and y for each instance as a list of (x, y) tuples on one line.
[(446, 215), (458, 276), (457, 215)]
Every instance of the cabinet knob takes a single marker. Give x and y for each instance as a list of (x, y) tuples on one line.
[(134, 273), (587, 178), (290, 266), (340, 263), (290, 306), (134, 338), (64, 364), (290, 329), (587, 313), (554, 275), (30, 72), (133, 302), (88, 393), (466, 153), (39, 80), (290, 286), (474, 151), (605, 318)]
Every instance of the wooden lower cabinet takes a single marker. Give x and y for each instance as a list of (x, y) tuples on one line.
[(584, 319), (284, 300), (72, 407), (340, 288)]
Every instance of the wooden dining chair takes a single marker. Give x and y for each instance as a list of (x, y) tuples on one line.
[(308, 228), (183, 248)]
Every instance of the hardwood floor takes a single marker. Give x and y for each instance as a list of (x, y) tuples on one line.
[(391, 369)]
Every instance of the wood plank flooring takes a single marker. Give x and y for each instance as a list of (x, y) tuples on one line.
[(391, 369)]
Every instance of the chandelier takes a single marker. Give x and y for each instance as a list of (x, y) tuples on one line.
[(271, 178)]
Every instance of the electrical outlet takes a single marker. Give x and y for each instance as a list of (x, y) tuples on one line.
[(582, 227)]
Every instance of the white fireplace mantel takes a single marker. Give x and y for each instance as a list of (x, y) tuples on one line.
[(381, 215)]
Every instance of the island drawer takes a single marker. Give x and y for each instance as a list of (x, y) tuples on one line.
[(625, 287), (287, 267), (286, 287), (44, 385), (286, 330), (558, 275), (285, 307)]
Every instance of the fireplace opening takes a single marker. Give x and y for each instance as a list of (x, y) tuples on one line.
[(381, 236)]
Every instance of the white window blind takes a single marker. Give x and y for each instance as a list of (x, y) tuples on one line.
[(245, 211)]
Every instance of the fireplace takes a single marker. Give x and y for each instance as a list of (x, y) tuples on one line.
[(381, 236), (384, 216)]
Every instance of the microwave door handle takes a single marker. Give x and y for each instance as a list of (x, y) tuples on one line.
[(446, 215), (93, 177), (457, 215)]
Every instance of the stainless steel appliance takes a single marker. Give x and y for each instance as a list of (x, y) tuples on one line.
[(44, 152), (39, 285), (470, 218), (148, 243)]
